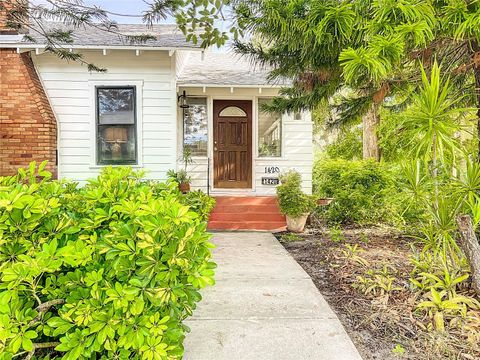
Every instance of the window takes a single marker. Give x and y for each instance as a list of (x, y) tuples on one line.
[(269, 132), (116, 125), (195, 135), (233, 111)]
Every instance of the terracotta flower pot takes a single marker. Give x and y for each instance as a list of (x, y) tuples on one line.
[(184, 187), (324, 201), (296, 224)]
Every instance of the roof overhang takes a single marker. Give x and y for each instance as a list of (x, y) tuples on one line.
[(264, 86), (29, 46)]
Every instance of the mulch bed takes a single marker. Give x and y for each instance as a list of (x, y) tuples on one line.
[(375, 327)]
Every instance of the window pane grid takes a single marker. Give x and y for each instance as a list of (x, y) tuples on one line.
[(269, 132), (195, 124), (116, 125)]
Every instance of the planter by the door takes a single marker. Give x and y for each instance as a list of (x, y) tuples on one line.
[(296, 224), (324, 201), (184, 187)]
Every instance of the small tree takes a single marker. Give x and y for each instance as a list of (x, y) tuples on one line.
[(433, 120)]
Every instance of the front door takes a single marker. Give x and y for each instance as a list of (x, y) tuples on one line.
[(232, 144)]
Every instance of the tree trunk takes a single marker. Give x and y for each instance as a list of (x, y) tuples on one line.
[(471, 248), (477, 89), (371, 148), (476, 71)]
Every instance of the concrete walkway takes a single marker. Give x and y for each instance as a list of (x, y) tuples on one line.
[(263, 307)]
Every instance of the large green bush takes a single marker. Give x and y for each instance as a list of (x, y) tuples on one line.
[(292, 200), (106, 271), (347, 146), (361, 190)]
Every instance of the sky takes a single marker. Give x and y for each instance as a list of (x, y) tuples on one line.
[(129, 7)]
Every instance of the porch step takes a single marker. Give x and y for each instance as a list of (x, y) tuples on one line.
[(249, 216), (246, 213), (246, 200), (249, 209), (247, 225)]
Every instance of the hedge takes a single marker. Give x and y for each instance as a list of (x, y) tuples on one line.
[(105, 271)]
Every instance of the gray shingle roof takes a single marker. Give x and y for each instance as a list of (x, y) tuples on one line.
[(227, 69), (167, 36)]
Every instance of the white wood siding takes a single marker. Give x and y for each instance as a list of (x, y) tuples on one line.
[(297, 146), (70, 88), (181, 57)]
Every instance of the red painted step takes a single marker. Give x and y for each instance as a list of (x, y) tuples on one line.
[(247, 213), (246, 200), (253, 216), (257, 209), (246, 225)]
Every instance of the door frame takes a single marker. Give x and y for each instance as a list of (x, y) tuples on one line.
[(250, 142)]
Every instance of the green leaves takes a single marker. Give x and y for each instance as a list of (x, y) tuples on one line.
[(442, 305), (121, 295), (154, 349), (203, 276), (292, 200), (336, 21), (108, 270), (432, 120), (362, 65), (59, 325)]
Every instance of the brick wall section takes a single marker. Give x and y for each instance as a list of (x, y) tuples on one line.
[(28, 129), (5, 8)]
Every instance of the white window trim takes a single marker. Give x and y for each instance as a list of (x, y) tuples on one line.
[(138, 84), (182, 134)]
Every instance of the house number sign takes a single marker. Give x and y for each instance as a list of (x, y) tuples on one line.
[(270, 181), (272, 169)]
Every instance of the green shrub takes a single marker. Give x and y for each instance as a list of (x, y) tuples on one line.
[(347, 146), (107, 271), (292, 200), (199, 202), (360, 191)]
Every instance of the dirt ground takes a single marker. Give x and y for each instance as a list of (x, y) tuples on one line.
[(381, 327)]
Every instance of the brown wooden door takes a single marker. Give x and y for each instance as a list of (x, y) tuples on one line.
[(232, 143)]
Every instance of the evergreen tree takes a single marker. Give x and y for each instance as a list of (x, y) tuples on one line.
[(367, 49)]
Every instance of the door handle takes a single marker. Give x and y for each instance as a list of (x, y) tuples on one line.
[(215, 149)]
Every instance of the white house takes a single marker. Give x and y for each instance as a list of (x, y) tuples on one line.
[(161, 96)]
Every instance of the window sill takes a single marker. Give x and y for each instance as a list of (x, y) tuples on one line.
[(133, 166), (269, 158)]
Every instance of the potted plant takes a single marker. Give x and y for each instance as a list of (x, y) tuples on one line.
[(181, 176), (294, 203), (183, 181)]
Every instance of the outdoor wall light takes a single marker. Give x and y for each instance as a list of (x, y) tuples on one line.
[(182, 100)]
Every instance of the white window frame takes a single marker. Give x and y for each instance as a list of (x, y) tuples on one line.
[(257, 135), (209, 129)]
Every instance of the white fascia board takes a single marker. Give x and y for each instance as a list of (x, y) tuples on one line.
[(95, 47), (262, 86), (11, 39)]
